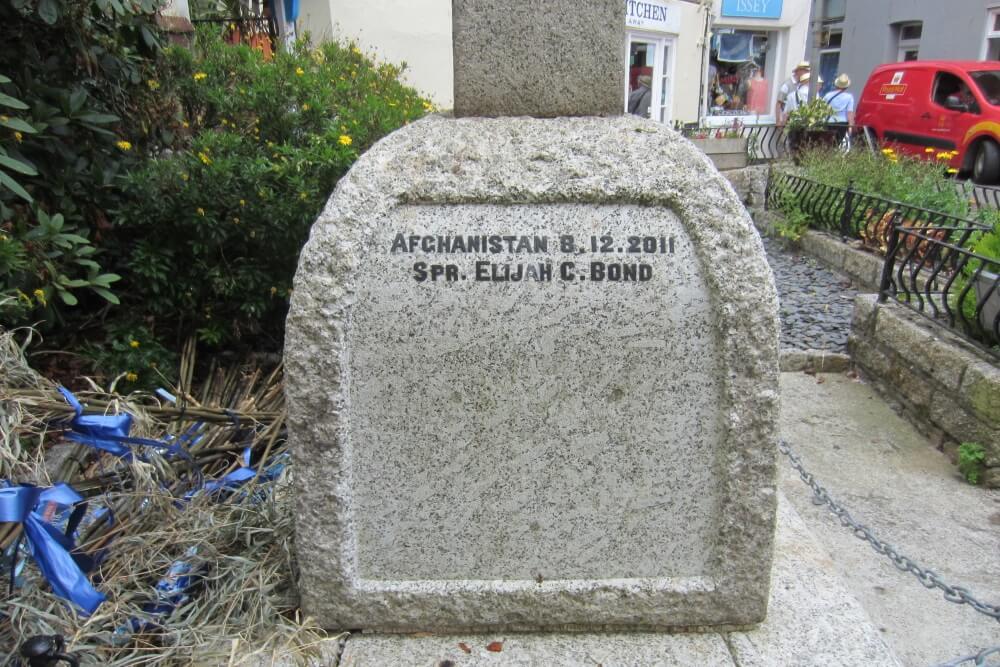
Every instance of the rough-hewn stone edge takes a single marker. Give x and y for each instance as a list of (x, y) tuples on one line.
[(814, 361), (583, 160), (947, 387)]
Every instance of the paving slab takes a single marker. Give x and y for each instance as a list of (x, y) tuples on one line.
[(891, 479), (812, 620)]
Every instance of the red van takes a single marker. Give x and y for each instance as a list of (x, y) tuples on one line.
[(942, 105)]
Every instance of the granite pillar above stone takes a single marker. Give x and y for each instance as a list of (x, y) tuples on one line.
[(519, 58), (532, 384)]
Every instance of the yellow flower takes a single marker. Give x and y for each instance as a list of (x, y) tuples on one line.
[(355, 50), (303, 195), (184, 177), (131, 377), (124, 145), (40, 296), (185, 124), (305, 107), (318, 56), (198, 76), (4, 119), (200, 211), (153, 84), (225, 122), (944, 156), (928, 150), (299, 71), (204, 158), (428, 106), (952, 170), (243, 202), (18, 137), (888, 151), (345, 140), (274, 290), (133, 344)]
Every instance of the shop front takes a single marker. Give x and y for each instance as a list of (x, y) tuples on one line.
[(752, 47), (652, 30)]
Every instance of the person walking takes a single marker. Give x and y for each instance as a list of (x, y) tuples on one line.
[(798, 96), (841, 109), (841, 101), (786, 88), (640, 98)]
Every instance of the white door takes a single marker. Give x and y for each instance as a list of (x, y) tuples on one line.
[(651, 55)]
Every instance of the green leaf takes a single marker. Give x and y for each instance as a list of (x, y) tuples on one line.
[(4, 79), (18, 166), (105, 279), (98, 118), (18, 125), (14, 187), (76, 100), (74, 238), (67, 297), (75, 283), (48, 11), (12, 102), (89, 263), (107, 294)]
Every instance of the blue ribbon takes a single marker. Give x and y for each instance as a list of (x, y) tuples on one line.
[(50, 548), (110, 433), (241, 475)]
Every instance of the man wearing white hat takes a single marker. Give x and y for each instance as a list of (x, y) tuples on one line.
[(798, 96), (841, 101), (788, 87)]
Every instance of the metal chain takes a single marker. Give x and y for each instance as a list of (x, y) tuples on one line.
[(978, 660), (926, 576)]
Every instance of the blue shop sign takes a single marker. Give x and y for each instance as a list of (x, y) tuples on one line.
[(752, 9)]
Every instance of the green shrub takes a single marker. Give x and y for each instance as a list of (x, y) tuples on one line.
[(905, 179), (70, 70), (794, 221), (971, 461), (210, 231)]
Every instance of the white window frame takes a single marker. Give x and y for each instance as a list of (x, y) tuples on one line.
[(904, 45), (780, 36), (991, 19), (661, 70)]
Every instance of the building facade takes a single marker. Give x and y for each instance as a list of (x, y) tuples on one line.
[(713, 61), (858, 35)]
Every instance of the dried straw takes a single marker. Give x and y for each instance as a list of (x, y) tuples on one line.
[(244, 608)]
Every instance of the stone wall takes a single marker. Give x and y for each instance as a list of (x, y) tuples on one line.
[(948, 388)]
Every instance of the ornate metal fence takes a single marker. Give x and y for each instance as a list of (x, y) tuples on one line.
[(932, 271), (929, 266)]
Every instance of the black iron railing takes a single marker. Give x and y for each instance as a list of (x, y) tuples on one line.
[(930, 270), (929, 265), (764, 142), (851, 213)]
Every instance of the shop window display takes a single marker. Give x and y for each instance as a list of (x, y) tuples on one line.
[(738, 74)]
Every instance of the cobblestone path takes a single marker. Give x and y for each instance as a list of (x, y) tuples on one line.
[(816, 303)]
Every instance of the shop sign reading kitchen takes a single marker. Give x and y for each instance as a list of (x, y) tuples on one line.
[(652, 15)]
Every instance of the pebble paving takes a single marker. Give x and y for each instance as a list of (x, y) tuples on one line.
[(816, 303)]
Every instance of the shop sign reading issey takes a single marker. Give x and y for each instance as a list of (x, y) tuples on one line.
[(652, 15), (754, 9)]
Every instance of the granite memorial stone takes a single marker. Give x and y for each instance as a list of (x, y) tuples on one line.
[(532, 384)]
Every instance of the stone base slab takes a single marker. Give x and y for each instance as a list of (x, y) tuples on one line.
[(812, 620)]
